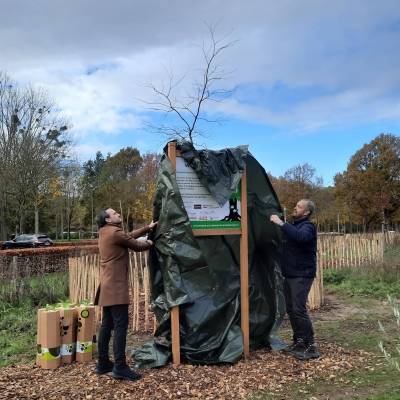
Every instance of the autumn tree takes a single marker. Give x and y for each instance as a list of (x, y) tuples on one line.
[(146, 187), (298, 182), (124, 181), (118, 175), (33, 141), (370, 187)]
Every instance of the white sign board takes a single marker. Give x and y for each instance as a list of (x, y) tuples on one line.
[(203, 211)]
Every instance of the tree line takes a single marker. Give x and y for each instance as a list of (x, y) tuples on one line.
[(43, 189), (364, 198)]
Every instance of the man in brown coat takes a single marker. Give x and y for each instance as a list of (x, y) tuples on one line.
[(113, 291)]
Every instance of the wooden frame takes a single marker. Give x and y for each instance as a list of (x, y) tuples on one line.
[(244, 267)]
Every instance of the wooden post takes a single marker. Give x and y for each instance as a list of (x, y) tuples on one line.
[(352, 251), (176, 351), (176, 346), (137, 289), (130, 277), (146, 292), (358, 251), (244, 269)]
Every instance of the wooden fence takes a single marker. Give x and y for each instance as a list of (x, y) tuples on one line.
[(351, 250), (84, 278), (344, 251), (334, 251), (316, 296)]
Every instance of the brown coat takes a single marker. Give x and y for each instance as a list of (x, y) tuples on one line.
[(114, 263)]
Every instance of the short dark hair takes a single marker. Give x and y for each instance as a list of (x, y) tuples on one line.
[(101, 218)]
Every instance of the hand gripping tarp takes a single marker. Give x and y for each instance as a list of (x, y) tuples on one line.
[(201, 275)]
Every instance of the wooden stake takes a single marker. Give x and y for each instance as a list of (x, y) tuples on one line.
[(146, 292), (244, 268), (132, 290), (137, 291), (175, 336), (175, 331)]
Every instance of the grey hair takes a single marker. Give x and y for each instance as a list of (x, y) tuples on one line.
[(310, 206)]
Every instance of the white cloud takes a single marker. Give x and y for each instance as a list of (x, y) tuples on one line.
[(95, 57)]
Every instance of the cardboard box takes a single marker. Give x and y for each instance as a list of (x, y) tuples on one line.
[(68, 320), (85, 331), (39, 338), (49, 339)]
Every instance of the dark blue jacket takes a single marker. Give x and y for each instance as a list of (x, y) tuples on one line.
[(300, 249)]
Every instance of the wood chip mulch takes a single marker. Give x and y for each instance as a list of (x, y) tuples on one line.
[(267, 371)]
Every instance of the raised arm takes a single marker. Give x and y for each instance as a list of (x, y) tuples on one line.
[(142, 231), (123, 239)]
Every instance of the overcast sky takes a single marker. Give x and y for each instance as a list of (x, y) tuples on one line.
[(312, 81)]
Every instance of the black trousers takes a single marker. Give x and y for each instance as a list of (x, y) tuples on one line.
[(114, 318), (296, 293)]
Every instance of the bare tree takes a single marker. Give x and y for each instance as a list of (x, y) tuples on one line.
[(189, 110), (32, 143)]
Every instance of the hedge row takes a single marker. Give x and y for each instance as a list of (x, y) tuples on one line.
[(56, 248), (18, 263)]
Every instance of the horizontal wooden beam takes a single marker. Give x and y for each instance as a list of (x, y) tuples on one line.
[(216, 232)]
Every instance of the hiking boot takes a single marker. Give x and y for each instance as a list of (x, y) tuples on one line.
[(125, 374), (104, 367), (308, 353), (297, 345)]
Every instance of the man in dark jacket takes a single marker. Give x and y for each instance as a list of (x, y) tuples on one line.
[(113, 291), (299, 266)]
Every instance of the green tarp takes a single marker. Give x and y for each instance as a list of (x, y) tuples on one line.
[(202, 274)]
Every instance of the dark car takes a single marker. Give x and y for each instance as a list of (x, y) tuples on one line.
[(27, 241)]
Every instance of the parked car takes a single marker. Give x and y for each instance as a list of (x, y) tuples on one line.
[(27, 241)]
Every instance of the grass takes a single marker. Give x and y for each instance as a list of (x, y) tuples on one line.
[(18, 304), (377, 281), (17, 334), (364, 282), (392, 254), (37, 290)]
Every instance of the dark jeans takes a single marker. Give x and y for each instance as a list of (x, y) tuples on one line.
[(114, 318), (296, 293)]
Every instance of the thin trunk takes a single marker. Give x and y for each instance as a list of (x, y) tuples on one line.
[(92, 236), (21, 222), (36, 218), (62, 225), (68, 225), (127, 220), (122, 215), (3, 221), (56, 226)]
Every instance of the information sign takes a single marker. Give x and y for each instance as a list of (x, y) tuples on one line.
[(203, 211)]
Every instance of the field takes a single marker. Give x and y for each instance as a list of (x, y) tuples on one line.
[(347, 331)]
